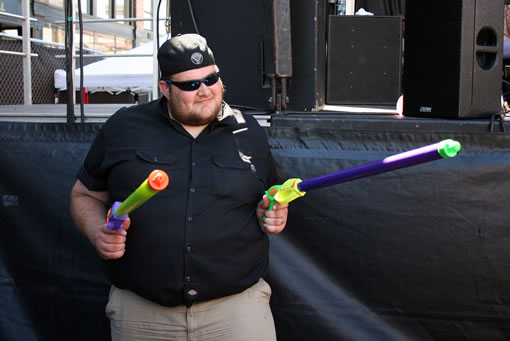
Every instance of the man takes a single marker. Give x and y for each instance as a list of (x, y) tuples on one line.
[(191, 266)]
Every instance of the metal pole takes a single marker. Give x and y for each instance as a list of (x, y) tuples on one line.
[(15, 16), (88, 21), (70, 63), (45, 42), (27, 63), (73, 52), (108, 55), (155, 67), (14, 53)]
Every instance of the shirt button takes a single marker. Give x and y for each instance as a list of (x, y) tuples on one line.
[(193, 164), (188, 279), (155, 159), (192, 190), (190, 218), (188, 248)]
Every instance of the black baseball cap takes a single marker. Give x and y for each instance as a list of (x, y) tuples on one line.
[(182, 53)]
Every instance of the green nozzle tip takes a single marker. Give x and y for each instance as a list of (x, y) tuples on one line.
[(448, 148)]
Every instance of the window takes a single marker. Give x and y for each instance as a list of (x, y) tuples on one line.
[(59, 3), (103, 9), (121, 10), (147, 13), (85, 6)]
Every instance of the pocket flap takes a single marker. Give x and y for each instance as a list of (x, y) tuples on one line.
[(157, 158), (230, 162)]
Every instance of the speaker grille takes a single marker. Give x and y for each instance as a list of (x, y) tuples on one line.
[(439, 39), (364, 60), (453, 58)]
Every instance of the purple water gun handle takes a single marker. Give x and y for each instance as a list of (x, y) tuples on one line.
[(115, 222)]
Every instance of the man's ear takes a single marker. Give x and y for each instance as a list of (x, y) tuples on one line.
[(163, 87)]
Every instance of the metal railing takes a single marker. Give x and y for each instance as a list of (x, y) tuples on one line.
[(27, 40), (88, 21), (15, 16), (26, 54), (45, 42), (155, 66)]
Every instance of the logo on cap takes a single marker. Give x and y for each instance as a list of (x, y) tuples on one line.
[(197, 58)]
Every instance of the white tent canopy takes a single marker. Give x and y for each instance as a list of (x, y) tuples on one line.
[(115, 73)]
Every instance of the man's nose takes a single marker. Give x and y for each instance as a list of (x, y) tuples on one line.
[(203, 89)]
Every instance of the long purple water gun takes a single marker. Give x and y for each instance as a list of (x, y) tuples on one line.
[(295, 188)]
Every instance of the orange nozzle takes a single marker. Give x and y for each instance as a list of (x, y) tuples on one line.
[(158, 180)]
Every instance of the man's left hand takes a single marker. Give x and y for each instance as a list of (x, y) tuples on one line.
[(272, 221)]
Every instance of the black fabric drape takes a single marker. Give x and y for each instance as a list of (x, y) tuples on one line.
[(415, 254)]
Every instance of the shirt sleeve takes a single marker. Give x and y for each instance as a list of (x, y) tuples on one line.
[(92, 173)]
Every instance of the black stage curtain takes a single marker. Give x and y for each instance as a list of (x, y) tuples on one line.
[(414, 254)]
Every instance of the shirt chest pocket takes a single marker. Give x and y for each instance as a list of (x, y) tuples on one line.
[(237, 179), (168, 162), (155, 158)]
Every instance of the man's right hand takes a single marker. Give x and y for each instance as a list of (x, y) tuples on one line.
[(111, 244), (88, 209)]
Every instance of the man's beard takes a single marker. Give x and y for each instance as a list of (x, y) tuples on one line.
[(193, 119)]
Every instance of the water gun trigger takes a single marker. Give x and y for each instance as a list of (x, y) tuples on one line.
[(271, 192)]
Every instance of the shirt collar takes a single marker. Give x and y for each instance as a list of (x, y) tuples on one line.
[(226, 115)]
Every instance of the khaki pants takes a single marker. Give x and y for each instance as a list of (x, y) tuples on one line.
[(244, 316)]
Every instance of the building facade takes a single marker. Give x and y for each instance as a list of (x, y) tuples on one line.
[(108, 36)]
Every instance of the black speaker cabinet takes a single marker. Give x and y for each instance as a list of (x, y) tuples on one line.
[(453, 58), (364, 60), (307, 91), (235, 31)]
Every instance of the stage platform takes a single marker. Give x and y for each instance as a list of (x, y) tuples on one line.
[(345, 117), (57, 112), (385, 122)]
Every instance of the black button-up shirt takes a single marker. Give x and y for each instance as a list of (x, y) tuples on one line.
[(199, 238)]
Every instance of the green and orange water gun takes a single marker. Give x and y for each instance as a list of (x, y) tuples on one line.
[(156, 181)]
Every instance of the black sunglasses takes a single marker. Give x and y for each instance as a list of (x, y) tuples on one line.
[(195, 84)]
